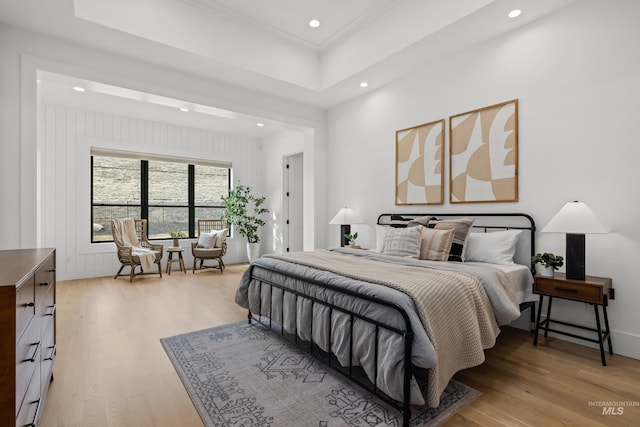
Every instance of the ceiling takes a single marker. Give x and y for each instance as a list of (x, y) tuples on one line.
[(289, 19), (267, 46)]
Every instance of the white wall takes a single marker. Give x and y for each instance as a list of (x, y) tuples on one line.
[(576, 77), (273, 151), (22, 54)]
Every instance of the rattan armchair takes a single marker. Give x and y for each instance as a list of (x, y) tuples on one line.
[(202, 254), (127, 250)]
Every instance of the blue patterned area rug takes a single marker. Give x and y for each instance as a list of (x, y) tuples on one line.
[(246, 375)]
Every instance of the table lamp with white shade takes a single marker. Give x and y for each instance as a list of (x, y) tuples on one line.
[(345, 217), (576, 219)]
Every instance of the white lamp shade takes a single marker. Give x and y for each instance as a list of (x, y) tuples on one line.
[(576, 218), (346, 216)]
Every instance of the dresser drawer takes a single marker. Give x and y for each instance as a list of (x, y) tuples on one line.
[(28, 354), (44, 284), (45, 301), (565, 289), (48, 353), (31, 406), (25, 305)]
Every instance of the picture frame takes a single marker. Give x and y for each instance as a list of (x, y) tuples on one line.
[(483, 154), (420, 164)]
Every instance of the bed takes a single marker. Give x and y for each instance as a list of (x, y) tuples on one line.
[(399, 320)]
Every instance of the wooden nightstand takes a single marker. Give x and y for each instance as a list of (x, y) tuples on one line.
[(592, 290)]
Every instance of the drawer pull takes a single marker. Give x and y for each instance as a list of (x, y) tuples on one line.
[(53, 310), (561, 289), (44, 284), (36, 414), (53, 270), (53, 353), (35, 353), (30, 304)]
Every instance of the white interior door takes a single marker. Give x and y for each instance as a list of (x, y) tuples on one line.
[(293, 193)]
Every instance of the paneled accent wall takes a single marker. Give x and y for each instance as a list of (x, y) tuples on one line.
[(64, 177)]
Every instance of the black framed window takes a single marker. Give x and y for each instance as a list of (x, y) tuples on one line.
[(170, 194)]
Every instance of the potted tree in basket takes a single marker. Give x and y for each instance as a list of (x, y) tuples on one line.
[(242, 210), (546, 263)]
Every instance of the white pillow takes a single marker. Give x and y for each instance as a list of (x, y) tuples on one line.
[(404, 242), (207, 240), (498, 247), (221, 237), (380, 232)]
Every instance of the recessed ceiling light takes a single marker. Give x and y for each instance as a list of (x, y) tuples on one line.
[(78, 89), (314, 23), (260, 124), (515, 13), (364, 84), (184, 109)]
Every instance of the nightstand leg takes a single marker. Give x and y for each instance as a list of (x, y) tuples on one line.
[(606, 325), (595, 308), (546, 326), (532, 319), (535, 336)]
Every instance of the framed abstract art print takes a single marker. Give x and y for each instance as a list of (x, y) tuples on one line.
[(483, 154), (420, 164)]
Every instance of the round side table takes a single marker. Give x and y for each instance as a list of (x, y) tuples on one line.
[(170, 260)]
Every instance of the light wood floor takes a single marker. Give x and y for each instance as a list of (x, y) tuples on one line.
[(111, 369)]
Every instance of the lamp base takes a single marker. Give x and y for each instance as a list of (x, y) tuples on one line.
[(575, 256), (344, 229)]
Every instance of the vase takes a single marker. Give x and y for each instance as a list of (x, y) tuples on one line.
[(544, 271), (253, 251), (176, 242)]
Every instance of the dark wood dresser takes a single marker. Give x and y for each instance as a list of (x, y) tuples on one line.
[(27, 333)]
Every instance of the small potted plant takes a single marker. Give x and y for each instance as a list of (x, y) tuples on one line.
[(176, 234), (548, 263), (352, 240)]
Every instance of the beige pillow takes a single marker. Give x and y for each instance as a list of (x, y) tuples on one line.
[(436, 244), (423, 220), (403, 242), (461, 227)]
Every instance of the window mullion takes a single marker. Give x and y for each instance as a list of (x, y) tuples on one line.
[(144, 189), (192, 201), (92, 203)]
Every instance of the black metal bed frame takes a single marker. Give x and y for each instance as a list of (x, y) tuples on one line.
[(405, 332)]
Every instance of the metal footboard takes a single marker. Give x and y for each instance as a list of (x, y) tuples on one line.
[(405, 332)]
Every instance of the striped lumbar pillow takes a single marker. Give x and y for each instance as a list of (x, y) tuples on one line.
[(436, 244)]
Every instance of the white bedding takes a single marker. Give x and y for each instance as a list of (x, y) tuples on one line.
[(519, 276)]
